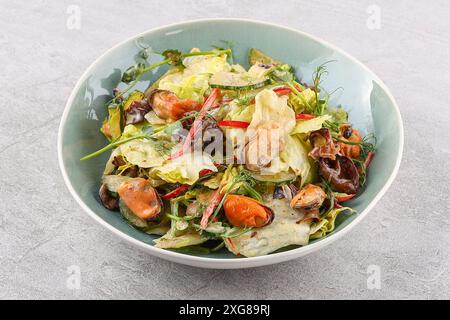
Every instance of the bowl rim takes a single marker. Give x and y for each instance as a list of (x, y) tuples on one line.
[(236, 263)]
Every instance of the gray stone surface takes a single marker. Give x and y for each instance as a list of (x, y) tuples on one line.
[(43, 231)]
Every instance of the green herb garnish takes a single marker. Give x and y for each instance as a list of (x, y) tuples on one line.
[(147, 133), (245, 180)]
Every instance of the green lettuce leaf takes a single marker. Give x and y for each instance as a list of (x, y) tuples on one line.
[(270, 107), (214, 181), (298, 103), (184, 169), (170, 242), (193, 81), (186, 86), (140, 152), (338, 115), (240, 112), (327, 223), (296, 156), (305, 126)]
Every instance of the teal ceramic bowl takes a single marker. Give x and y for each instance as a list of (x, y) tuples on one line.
[(371, 108)]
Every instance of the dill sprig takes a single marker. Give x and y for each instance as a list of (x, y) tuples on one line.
[(284, 75), (243, 179), (365, 144), (333, 126)]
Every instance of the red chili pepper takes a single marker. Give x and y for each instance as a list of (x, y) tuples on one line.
[(304, 116), (213, 202), (204, 172), (234, 124), (337, 206), (183, 188), (369, 159), (345, 198), (286, 90), (196, 126), (175, 193), (281, 91), (231, 244)]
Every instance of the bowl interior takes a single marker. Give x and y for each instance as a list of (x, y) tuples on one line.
[(370, 107)]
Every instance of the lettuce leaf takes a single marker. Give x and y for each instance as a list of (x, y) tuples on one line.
[(270, 107), (170, 242), (282, 232), (298, 103), (184, 169), (206, 64), (296, 156), (185, 85), (193, 81), (338, 115), (240, 112), (305, 126), (214, 181), (140, 152), (153, 119), (327, 223)]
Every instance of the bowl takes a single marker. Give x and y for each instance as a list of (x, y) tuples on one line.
[(371, 108)]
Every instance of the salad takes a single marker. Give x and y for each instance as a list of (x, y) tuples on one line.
[(215, 156)]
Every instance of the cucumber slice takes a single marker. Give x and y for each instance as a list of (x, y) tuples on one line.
[(237, 81), (279, 178), (131, 218)]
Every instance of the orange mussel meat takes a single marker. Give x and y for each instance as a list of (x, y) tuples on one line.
[(351, 135), (141, 198), (243, 211)]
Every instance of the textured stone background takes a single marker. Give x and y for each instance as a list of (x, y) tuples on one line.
[(43, 231)]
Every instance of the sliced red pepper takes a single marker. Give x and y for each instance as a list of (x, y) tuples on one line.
[(204, 172), (213, 202), (304, 116), (197, 125), (286, 90), (183, 188), (175, 193), (345, 198), (282, 91), (369, 159), (337, 206), (234, 124), (231, 245)]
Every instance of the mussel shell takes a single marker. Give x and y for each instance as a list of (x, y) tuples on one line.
[(107, 200)]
